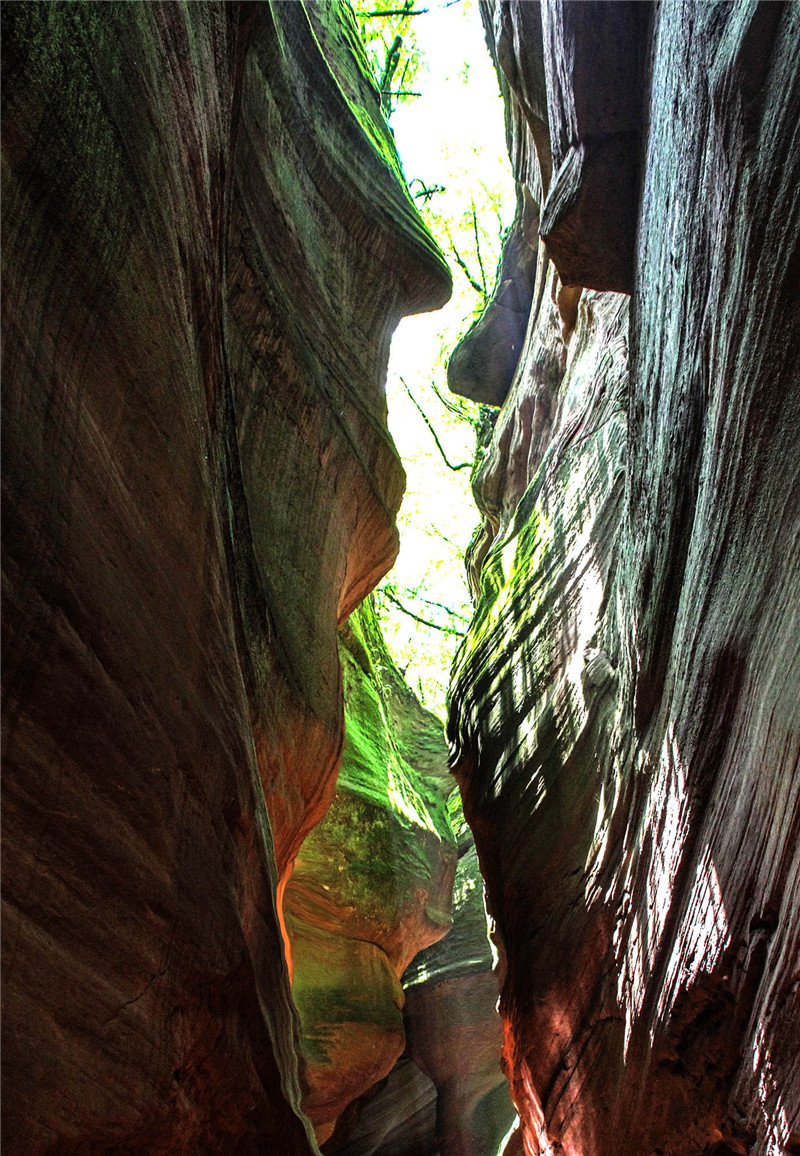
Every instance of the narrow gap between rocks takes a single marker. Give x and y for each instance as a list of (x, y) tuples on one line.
[(385, 905)]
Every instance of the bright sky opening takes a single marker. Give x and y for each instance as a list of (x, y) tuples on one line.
[(452, 135)]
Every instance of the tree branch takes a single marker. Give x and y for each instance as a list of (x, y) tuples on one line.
[(478, 249), (422, 621), (463, 267), (425, 191), (440, 448), (393, 12), (389, 69), (432, 532), (449, 610)]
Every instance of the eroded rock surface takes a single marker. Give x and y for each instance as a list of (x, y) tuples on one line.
[(626, 708), (373, 883), (388, 932), (206, 247), (453, 1031), (447, 1095), (483, 364)]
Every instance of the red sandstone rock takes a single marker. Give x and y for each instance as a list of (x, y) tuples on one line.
[(372, 885), (447, 1096), (625, 709), (205, 252), (206, 248)]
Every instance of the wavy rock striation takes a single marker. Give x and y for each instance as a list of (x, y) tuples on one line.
[(454, 1034), (625, 711), (207, 245)]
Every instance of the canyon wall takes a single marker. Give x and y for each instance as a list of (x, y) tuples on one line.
[(207, 245), (392, 968), (447, 1095), (625, 711)]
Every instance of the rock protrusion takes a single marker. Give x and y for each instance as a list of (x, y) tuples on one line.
[(372, 885)]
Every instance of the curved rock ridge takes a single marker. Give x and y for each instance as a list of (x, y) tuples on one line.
[(396, 1118), (482, 365), (207, 245), (625, 710), (373, 882), (572, 76), (453, 1031)]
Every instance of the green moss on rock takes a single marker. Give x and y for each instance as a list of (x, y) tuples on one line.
[(373, 882)]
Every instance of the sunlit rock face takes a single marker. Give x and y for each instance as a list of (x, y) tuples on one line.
[(390, 953), (447, 1095), (373, 883), (206, 248), (625, 714)]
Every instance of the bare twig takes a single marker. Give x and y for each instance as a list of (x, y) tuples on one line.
[(390, 68), (439, 446), (448, 609), (393, 12), (432, 532), (401, 11), (425, 191)]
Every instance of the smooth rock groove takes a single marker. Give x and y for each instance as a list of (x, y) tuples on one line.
[(207, 246), (625, 710)]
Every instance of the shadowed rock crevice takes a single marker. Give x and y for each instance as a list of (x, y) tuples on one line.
[(386, 922)]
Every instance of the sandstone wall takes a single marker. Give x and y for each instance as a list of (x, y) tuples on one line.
[(625, 714), (390, 953), (447, 1095), (207, 244)]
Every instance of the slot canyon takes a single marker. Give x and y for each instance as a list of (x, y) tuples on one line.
[(257, 900)]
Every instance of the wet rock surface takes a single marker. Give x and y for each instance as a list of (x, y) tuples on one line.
[(207, 245), (624, 715)]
